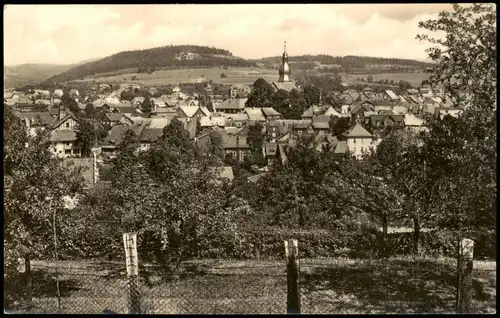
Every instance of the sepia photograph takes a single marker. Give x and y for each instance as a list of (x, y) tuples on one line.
[(250, 158)]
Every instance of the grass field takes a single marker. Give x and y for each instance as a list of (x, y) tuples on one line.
[(414, 79), (235, 75), (171, 77), (211, 287)]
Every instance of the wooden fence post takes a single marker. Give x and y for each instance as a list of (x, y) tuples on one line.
[(464, 275), (132, 263), (293, 295)]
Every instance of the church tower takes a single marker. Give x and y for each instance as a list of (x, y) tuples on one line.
[(284, 81), (284, 70)]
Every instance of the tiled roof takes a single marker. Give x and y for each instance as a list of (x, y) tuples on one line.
[(269, 111), (357, 131), (237, 117), (189, 110), (230, 141), (235, 103), (331, 112), (321, 125), (114, 117), (391, 94), (43, 118), (412, 120), (63, 135), (117, 133), (399, 110), (150, 134), (255, 114)]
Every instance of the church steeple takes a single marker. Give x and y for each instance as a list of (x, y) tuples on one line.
[(284, 70)]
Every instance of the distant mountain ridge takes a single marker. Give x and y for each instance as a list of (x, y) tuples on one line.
[(179, 56), (349, 61), (34, 73)]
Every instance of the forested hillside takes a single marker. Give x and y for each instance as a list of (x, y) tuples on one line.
[(349, 61), (181, 56)]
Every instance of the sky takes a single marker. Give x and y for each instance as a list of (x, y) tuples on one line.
[(65, 34)]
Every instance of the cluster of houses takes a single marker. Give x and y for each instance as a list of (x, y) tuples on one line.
[(368, 114)]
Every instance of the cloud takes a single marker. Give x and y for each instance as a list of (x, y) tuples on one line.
[(63, 34)]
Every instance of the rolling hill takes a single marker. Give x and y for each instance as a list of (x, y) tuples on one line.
[(147, 61), (33, 74)]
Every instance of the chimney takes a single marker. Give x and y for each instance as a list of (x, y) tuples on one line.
[(62, 112)]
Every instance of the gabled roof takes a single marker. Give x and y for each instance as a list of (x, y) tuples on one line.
[(255, 114), (269, 111), (237, 117), (412, 120), (57, 122), (399, 110), (391, 94), (204, 110), (117, 133), (331, 112), (150, 134), (189, 111), (114, 117), (43, 118), (357, 131), (63, 135), (234, 141), (234, 103)]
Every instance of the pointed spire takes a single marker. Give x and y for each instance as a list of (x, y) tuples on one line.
[(320, 100), (285, 47)]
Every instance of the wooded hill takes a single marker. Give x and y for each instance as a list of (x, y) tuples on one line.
[(349, 61), (180, 56)]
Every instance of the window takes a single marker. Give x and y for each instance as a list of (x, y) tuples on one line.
[(273, 135), (67, 152), (354, 141), (67, 125)]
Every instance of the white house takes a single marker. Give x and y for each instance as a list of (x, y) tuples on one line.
[(63, 137), (359, 141)]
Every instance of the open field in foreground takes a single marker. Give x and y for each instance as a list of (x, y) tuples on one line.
[(341, 286)]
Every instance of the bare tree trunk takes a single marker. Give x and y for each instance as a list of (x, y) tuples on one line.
[(29, 280)]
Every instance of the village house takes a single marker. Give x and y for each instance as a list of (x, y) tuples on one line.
[(321, 124), (240, 91), (63, 136), (109, 120), (231, 106), (413, 123), (74, 93), (272, 131), (236, 120), (255, 115), (192, 112), (389, 95), (385, 121), (35, 120), (58, 93), (359, 141), (270, 113), (441, 112)]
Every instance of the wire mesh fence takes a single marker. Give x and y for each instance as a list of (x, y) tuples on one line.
[(256, 286), (389, 286)]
